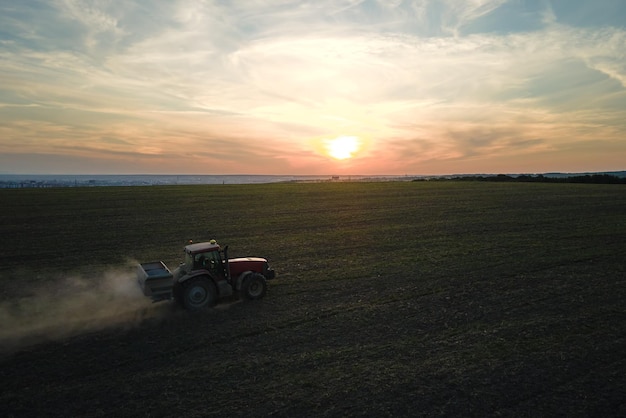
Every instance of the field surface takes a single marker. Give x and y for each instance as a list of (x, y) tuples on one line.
[(391, 299)]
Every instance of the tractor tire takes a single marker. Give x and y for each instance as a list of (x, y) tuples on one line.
[(199, 293), (254, 287)]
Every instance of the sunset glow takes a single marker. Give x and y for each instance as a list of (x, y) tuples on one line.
[(342, 147), (435, 87)]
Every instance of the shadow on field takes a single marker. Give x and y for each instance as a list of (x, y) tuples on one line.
[(73, 306)]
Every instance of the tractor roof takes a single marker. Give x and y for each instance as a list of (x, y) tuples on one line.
[(202, 247)]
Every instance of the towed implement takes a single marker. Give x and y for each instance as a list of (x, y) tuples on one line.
[(205, 276)]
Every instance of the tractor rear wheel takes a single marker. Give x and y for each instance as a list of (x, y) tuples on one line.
[(254, 287), (199, 293)]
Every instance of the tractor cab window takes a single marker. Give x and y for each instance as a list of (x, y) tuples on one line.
[(207, 261), (189, 261)]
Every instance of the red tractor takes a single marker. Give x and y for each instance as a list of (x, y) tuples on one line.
[(206, 275)]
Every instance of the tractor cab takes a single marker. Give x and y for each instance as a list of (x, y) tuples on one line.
[(206, 256)]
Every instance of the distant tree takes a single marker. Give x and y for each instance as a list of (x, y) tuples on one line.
[(540, 178)]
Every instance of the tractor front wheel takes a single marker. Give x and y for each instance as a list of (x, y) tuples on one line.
[(254, 287), (198, 294)]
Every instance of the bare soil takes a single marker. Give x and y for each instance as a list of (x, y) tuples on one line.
[(446, 308)]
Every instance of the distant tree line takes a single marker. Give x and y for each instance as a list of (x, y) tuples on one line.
[(540, 178)]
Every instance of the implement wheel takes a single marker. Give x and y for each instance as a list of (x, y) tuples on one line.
[(199, 293), (254, 287)]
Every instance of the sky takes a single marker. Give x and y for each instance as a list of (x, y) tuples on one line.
[(362, 87)]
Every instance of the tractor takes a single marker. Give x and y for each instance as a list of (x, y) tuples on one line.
[(205, 276)]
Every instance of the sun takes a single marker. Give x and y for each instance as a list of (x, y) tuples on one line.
[(342, 147)]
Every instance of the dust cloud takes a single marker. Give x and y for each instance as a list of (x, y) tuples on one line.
[(73, 306)]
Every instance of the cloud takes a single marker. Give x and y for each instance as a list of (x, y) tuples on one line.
[(458, 13), (259, 83)]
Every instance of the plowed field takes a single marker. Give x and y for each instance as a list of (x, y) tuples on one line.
[(391, 299)]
